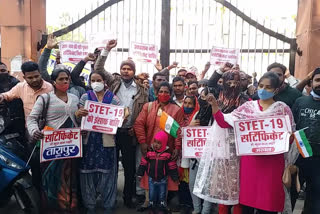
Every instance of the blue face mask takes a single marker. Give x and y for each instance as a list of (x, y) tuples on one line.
[(187, 110), (264, 94)]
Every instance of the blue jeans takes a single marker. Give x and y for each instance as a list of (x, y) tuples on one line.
[(158, 191)]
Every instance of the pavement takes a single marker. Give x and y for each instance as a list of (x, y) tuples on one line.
[(12, 207)]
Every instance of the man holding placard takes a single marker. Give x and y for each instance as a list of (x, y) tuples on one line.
[(132, 95)]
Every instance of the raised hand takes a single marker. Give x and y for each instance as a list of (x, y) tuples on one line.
[(90, 57), (52, 42), (111, 44), (213, 102), (158, 65)]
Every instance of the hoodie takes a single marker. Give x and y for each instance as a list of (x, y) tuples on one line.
[(158, 163)]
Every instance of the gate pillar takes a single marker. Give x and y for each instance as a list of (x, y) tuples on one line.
[(22, 23), (308, 37)]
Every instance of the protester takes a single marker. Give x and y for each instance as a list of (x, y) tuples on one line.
[(190, 76), (306, 111), (98, 168), (157, 79), (229, 98), (59, 181), (203, 83), (132, 96), (158, 165), (29, 90), (182, 73), (178, 90), (286, 94), (259, 175), (147, 125), (193, 88), (43, 62), (146, 84), (7, 82), (205, 112)]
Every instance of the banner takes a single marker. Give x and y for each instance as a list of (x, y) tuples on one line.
[(73, 51), (194, 140), (60, 144), (267, 136), (221, 55), (103, 118), (144, 52)]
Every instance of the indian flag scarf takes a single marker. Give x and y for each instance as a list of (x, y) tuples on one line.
[(168, 124), (303, 144)]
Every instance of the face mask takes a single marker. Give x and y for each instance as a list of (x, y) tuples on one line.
[(200, 90), (315, 94), (163, 98), (4, 77), (62, 87), (187, 110), (97, 86), (264, 94)]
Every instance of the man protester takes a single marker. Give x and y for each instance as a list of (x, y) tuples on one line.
[(133, 96), (306, 112), (157, 79), (191, 76), (28, 91), (286, 93), (193, 88), (182, 73), (7, 82), (178, 90)]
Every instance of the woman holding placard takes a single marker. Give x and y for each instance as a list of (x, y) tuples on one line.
[(98, 168), (261, 185), (59, 180)]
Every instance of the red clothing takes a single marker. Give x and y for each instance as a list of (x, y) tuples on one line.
[(147, 123), (260, 178)]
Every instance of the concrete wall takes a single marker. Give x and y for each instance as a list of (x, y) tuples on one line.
[(21, 24), (308, 37)]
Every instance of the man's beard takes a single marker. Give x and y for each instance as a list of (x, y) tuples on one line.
[(316, 90)]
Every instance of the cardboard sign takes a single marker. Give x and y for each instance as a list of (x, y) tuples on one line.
[(221, 55), (61, 144), (266, 136), (144, 52), (103, 118), (194, 140), (73, 51)]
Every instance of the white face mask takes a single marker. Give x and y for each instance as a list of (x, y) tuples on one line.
[(97, 86)]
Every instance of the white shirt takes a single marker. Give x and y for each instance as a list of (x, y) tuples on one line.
[(126, 96)]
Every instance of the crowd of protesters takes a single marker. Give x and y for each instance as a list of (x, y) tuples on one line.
[(154, 171)]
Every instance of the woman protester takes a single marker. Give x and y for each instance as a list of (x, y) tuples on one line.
[(147, 125), (190, 110), (98, 168), (59, 180), (259, 175), (227, 168)]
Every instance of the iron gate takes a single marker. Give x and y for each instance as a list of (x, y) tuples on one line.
[(185, 31)]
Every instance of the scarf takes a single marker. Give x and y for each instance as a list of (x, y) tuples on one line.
[(127, 83)]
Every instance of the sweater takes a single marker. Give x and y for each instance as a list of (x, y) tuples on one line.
[(306, 112), (58, 112)]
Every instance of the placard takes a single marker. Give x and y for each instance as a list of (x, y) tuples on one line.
[(73, 51), (219, 55), (266, 136), (103, 118), (194, 139), (61, 144), (144, 52)]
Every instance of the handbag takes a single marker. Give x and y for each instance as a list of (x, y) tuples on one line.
[(43, 117)]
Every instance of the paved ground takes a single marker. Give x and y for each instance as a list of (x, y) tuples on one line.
[(13, 208)]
